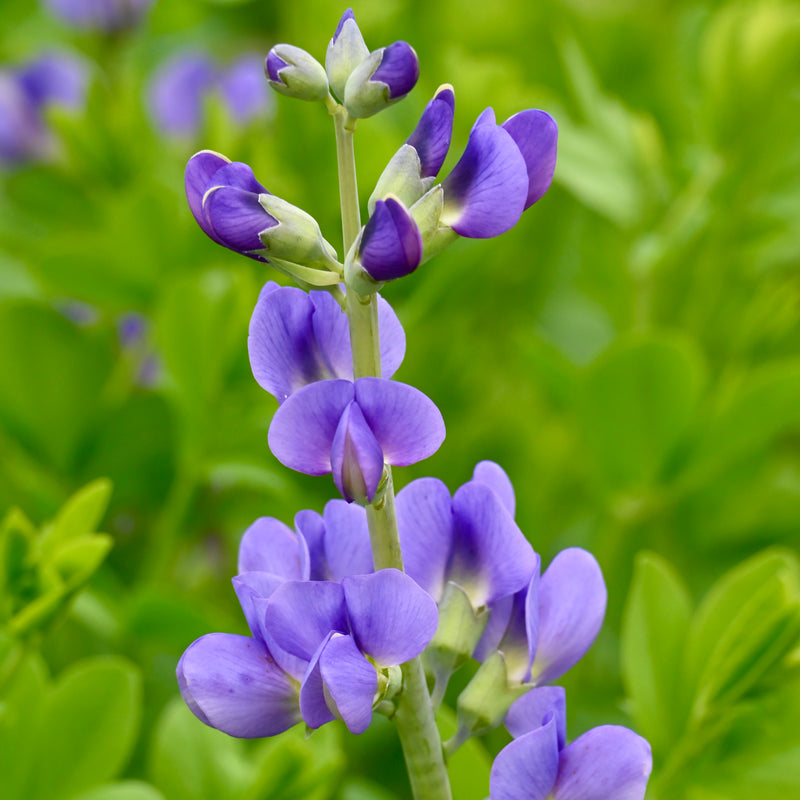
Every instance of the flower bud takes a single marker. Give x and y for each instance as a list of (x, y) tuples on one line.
[(346, 51), (292, 71), (382, 78)]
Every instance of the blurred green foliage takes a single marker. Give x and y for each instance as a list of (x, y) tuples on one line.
[(628, 353)]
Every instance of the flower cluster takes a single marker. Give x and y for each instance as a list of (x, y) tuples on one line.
[(26, 92), (347, 610)]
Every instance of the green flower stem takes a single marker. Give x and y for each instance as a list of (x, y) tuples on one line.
[(416, 725)]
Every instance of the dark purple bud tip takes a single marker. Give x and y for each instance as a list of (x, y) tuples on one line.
[(346, 16), (431, 138), (273, 65), (391, 245), (399, 69)]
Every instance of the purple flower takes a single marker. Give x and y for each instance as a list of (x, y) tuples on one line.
[(605, 763), (54, 79), (544, 629), (317, 645), (353, 429), (469, 539), (382, 78), (298, 338), (236, 211), (390, 245), (179, 89), (106, 15)]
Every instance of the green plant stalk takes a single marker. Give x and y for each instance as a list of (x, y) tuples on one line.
[(416, 725)]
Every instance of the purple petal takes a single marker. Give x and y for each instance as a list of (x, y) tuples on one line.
[(302, 430), (486, 117), (485, 193), (23, 136), (425, 525), (572, 604), (536, 135), (526, 769), (253, 590), (350, 681), (200, 170), (431, 138), (284, 354), (57, 79), (490, 556), (177, 92), (347, 545), (300, 614), (609, 761), (532, 711), (494, 476), (270, 546), (244, 90), (239, 176), (332, 334), (231, 683), (391, 245), (273, 66), (399, 69), (311, 526), (346, 16), (392, 618), (405, 422), (107, 15), (236, 217), (313, 705), (356, 457), (393, 339)]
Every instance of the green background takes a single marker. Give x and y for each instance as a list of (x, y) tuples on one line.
[(628, 353)]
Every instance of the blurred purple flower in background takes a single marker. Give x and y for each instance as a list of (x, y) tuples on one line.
[(181, 86), (104, 15), (26, 92)]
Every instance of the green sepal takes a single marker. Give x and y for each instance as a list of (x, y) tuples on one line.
[(356, 278), (401, 178), (304, 78), (306, 277), (344, 55), (427, 213)]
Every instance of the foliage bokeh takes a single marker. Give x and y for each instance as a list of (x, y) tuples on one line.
[(628, 353)]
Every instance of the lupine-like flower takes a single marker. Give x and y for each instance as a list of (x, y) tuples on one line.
[(105, 15), (54, 79), (179, 89), (503, 171), (346, 51), (353, 429), (323, 645), (298, 338), (236, 211), (292, 71), (546, 628), (385, 76), (605, 763), (328, 546), (414, 167)]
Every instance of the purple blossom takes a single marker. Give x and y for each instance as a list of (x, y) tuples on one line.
[(106, 15), (391, 244), (605, 763), (469, 539), (179, 90), (26, 92), (299, 337), (353, 429), (382, 78), (315, 652), (431, 138)]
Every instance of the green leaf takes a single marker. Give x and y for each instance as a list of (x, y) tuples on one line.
[(81, 514), (190, 761), (654, 630), (88, 727), (636, 403), (76, 561), (124, 790)]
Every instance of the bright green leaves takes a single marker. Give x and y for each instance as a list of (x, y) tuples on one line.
[(190, 761), (636, 403), (694, 679), (84, 726), (41, 570)]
